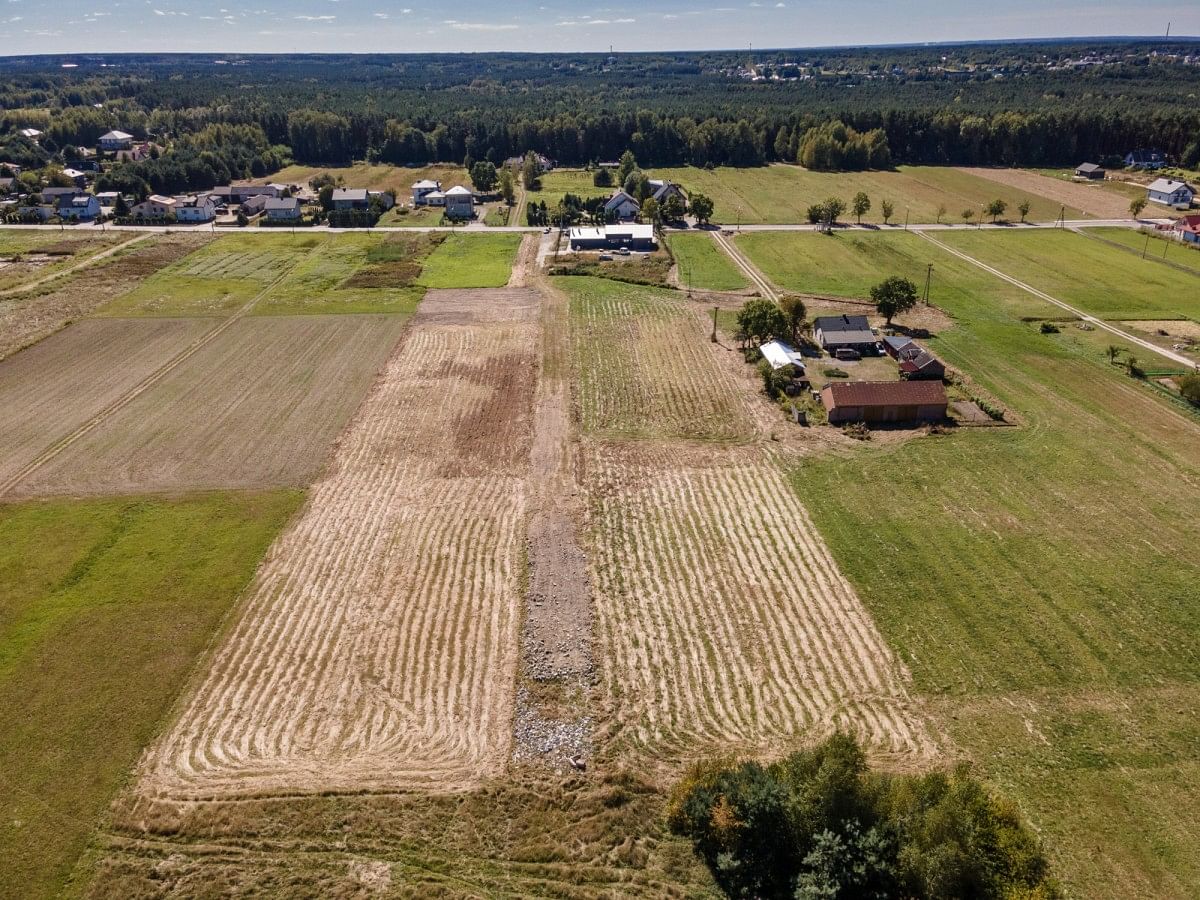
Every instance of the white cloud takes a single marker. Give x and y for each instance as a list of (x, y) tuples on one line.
[(481, 26), (316, 18)]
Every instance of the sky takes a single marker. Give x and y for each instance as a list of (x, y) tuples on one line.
[(247, 26)]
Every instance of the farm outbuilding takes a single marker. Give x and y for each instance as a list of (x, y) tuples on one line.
[(779, 355), (884, 401), (1089, 170), (613, 237)]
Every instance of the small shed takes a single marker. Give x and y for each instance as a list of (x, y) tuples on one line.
[(1089, 170), (779, 355)]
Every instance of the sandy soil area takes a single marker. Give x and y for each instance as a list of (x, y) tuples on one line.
[(1092, 198)]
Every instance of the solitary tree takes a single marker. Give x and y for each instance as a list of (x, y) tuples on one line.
[(507, 188), (996, 208), (602, 178), (793, 308), (888, 210), (1136, 206), (702, 208), (1132, 366), (941, 211), (1112, 351), (483, 176), (968, 215), (861, 206), (1023, 209), (893, 296), (833, 209), (760, 320)]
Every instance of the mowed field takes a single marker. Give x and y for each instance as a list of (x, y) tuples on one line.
[(404, 569), (703, 265), (725, 625), (1104, 281), (30, 255), (1158, 248), (781, 194), (1045, 604), (105, 607)]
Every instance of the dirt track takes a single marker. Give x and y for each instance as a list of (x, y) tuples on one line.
[(259, 406), (378, 645), (1092, 199)]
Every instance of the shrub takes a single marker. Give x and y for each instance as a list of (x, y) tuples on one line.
[(835, 373), (1049, 328), (1189, 388), (857, 430), (820, 824)]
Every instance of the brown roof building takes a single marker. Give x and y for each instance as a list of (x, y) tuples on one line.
[(884, 401)]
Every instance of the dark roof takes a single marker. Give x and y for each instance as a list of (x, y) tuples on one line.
[(920, 361), (899, 341), (886, 393), (282, 203), (1087, 167), (842, 323)]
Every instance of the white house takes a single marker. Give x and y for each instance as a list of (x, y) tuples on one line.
[(155, 206), (115, 140), (81, 207), (1169, 192), (423, 189), (622, 206), (107, 199), (435, 198), (195, 208), (283, 209), (460, 203), (80, 178), (32, 133)]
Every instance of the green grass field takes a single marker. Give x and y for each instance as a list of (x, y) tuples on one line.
[(471, 261), (781, 194), (105, 606), (848, 263), (1039, 581), (560, 182), (1100, 280), (704, 265), (218, 279), (1158, 248)]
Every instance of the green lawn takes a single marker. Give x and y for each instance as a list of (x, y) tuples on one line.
[(848, 263), (1158, 248), (704, 265), (1100, 280), (471, 261), (217, 279), (105, 606), (1039, 581), (781, 194), (560, 182)]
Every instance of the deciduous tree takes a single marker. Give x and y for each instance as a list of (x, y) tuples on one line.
[(893, 296)]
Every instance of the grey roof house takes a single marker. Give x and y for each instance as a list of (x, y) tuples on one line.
[(852, 332)]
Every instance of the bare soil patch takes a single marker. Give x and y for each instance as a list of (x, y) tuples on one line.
[(50, 389), (258, 406), (377, 648), (27, 318), (1092, 198), (1184, 329)]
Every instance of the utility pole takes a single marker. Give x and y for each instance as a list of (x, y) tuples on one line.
[(906, 218), (928, 278), (1146, 247)]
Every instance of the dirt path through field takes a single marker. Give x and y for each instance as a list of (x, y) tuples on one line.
[(757, 278), (1090, 198), (82, 264)]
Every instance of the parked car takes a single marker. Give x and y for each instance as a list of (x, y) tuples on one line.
[(623, 251), (846, 353), (605, 257)]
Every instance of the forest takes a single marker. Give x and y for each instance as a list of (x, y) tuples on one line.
[(1002, 104)]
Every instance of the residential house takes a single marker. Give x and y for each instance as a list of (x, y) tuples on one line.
[(1089, 170), (423, 189), (351, 198), (662, 191), (1145, 159), (32, 133), (460, 203), (283, 209), (195, 208), (884, 401), (115, 140), (1169, 192), (435, 198), (622, 206), (545, 163), (42, 211), (80, 178), (256, 205), (51, 195), (1188, 229), (155, 206), (844, 332), (613, 237), (134, 153), (108, 199), (80, 208)]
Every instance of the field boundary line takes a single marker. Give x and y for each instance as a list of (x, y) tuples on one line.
[(1075, 311), (144, 385), (748, 268), (82, 264)]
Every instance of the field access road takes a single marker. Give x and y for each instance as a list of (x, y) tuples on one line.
[(1179, 358), (748, 268)]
